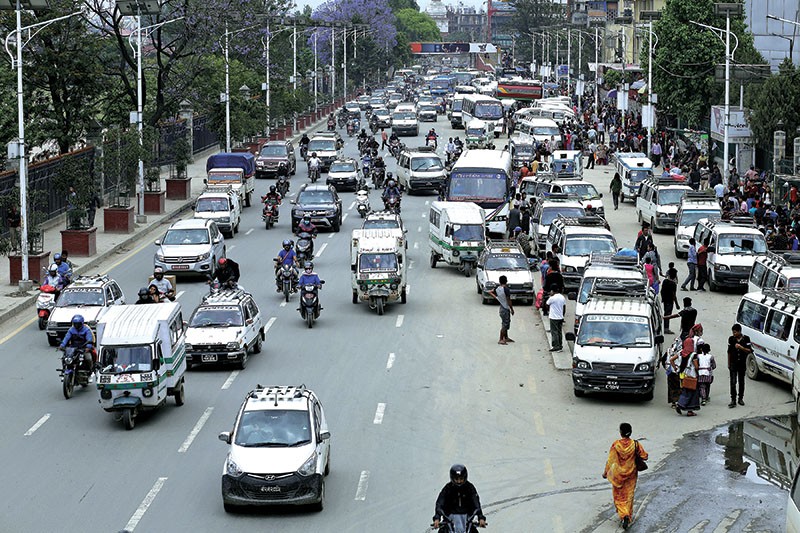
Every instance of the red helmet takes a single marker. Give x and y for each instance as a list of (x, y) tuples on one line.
[(222, 261)]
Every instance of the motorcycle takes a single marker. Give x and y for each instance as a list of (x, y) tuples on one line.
[(459, 523), (287, 282), (431, 140), (366, 166), (378, 176), (392, 204), (362, 202), (303, 151), (76, 368), (351, 129), (309, 303), (45, 303), (342, 121), (304, 247), (313, 173), (373, 127), (270, 213), (394, 148), (282, 186)]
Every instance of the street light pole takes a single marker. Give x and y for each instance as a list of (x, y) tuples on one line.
[(596, 72), (227, 94), (294, 72), (316, 103), (265, 41), (344, 64)]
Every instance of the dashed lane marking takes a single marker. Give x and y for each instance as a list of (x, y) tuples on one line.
[(321, 249), (269, 323), (248, 232), (39, 423), (548, 473), (196, 429), (229, 381), (410, 264), (416, 246), (558, 524), (148, 500), (352, 205), (180, 293), (345, 217), (390, 361), (419, 229), (537, 422), (363, 481), (283, 304), (379, 414), (399, 322)]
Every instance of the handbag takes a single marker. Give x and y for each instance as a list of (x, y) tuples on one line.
[(689, 383), (641, 464)]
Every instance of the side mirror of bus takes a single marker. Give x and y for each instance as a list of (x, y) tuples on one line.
[(156, 363), (569, 336), (659, 339)]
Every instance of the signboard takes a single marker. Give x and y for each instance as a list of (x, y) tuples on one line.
[(482, 48), (563, 71), (452, 48), (738, 129)]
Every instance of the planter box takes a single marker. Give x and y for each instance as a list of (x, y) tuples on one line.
[(119, 219), (35, 265), (155, 203), (179, 188), (79, 242)]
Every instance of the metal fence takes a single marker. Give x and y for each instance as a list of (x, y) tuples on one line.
[(203, 137)]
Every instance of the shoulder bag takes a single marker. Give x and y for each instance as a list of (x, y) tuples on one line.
[(641, 464)]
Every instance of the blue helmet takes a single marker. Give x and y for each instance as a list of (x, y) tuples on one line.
[(287, 244), (77, 321), (56, 257)]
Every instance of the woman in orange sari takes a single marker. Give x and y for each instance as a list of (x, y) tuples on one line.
[(621, 472)]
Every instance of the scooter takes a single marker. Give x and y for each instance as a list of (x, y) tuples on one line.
[(304, 247), (313, 173), (76, 368), (378, 177), (459, 523), (331, 125), (342, 121), (286, 280), (309, 303), (282, 186), (270, 213), (392, 204), (303, 151), (45, 303), (362, 202), (394, 148)]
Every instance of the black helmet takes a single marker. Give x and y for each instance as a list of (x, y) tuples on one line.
[(272, 188), (458, 474), (143, 292)]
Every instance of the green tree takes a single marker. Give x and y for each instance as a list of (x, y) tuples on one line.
[(417, 26), (687, 54), (397, 5), (777, 99)]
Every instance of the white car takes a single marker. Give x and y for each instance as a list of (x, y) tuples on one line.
[(190, 246), (88, 296), (279, 450), (505, 259), (344, 174)]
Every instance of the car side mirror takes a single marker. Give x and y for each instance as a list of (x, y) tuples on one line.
[(712, 249), (325, 435), (569, 336), (572, 296), (659, 339), (225, 436), (217, 240), (322, 282), (601, 195), (158, 242), (156, 363), (205, 181), (353, 268), (249, 322)]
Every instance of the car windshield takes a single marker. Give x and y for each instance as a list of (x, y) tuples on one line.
[(475, 132), (315, 197), (468, 232), (742, 244), (457, 105), (186, 236), (80, 297), (614, 330), (489, 110), (506, 262), (273, 151), (220, 176), (381, 113), (550, 131), (692, 217), (427, 107), (379, 223), (584, 191), (523, 150), (478, 186), (377, 263), (585, 245), (563, 167), (216, 317), (637, 176), (794, 284), (406, 115), (426, 163), (115, 359), (208, 205), (343, 167), (670, 196), (273, 428), (322, 145), (549, 214)]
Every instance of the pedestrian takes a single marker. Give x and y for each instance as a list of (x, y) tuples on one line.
[(688, 316), (691, 262), (622, 472), (616, 189), (655, 257), (13, 222), (592, 151), (513, 220), (384, 139), (556, 303), (655, 153), (706, 367), (702, 265), (739, 347), (95, 203), (643, 241), (544, 266), (687, 369), (503, 295), (73, 213), (669, 296)]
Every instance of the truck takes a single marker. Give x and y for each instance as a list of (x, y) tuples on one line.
[(378, 265), (237, 169)]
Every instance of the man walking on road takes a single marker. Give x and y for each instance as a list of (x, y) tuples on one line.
[(688, 316), (557, 303), (691, 262), (503, 295), (739, 347)]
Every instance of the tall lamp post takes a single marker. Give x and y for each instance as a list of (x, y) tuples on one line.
[(650, 16), (25, 283), (226, 96), (791, 40)]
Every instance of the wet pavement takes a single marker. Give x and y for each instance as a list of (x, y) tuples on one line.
[(733, 478)]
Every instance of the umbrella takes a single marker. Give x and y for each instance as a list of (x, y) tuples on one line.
[(611, 94)]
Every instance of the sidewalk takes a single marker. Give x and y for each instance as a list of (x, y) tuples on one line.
[(108, 244)]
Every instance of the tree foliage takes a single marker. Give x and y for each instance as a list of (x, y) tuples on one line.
[(417, 26), (776, 100)]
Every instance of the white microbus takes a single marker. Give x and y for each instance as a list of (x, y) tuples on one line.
[(485, 108), (483, 177)]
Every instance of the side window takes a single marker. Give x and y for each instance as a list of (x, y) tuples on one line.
[(109, 295), (116, 291), (779, 325), (797, 331), (317, 419), (752, 315), (246, 312), (757, 274), (782, 281), (771, 279)]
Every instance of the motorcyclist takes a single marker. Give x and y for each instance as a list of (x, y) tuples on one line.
[(161, 283), (54, 279), (331, 122), (431, 137), (64, 270), (144, 297), (282, 186), (366, 162), (305, 226), (309, 277), (283, 170), (287, 256), (313, 164), (79, 335), (304, 140), (227, 273), (363, 135), (392, 189), (273, 194), (459, 497)]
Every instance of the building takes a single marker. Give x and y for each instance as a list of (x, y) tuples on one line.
[(439, 13), (467, 22), (774, 39)]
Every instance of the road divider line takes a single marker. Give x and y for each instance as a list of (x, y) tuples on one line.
[(423, 215), (229, 381), (363, 481), (532, 385), (180, 293), (352, 205), (558, 524), (390, 361), (416, 246), (345, 217), (321, 249), (330, 235), (23, 326), (379, 414), (196, 429), (148, 500), (283, 304), (427, 202), (39, 423), (248, 232), (410, 264), (419, 229), (548, 473), (537, 422), (408, 289), (269, 323), (399, 322), (231, 247)]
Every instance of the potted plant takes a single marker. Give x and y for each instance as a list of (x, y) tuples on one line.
[(38, 259), (120, 160), (179, 185), (75, 179)]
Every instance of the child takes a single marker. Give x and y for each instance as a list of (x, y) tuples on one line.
[(707, 364)]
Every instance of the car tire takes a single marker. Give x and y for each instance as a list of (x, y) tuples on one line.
[(653, 225), (243, 363), (180, 395), (336, 225), (328, 464), (712, 285), (230, 508), (258, 346), (320, 505), (434, 259), (578, 393), (355, 297), (647, 396), (53, 341), (752, 368)]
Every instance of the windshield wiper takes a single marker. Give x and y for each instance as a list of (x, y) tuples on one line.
[(300, 443), (266, 445)]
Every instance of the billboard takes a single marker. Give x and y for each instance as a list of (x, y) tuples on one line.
[(737, 127), (452, 48)]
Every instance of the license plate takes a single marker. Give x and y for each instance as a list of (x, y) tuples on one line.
[(180, 267), (612, 385), (209, 358), (272, 488), (742, 281)]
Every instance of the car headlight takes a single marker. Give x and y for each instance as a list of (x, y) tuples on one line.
[(330, 212), (528, 285), (569, 269), (309, 467), (160, 257), (233, 345), (490, 285), (232, 468), (683, 236), (643, 367), (259, 163), (721, 267), (581, 365), (187, 346), (224, 219), (204, 256), (661, 214)]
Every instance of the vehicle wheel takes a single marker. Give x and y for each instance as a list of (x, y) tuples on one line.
[(336, 225), (259, 343), (648, 396), (653, 225), (310, 319), (180, 393), (328, 464), (230, 508), (433, 259), (712, 286), (355, 297), (68, 385), (403, 296), (286, 292), (268, 223), (127, 419), (294, 170), (43, 322), (467, 269), (752, 368), (236, 227), (248, 199), (320, 505), (478, 287), (379, 306), (243, 363), (578, 393)]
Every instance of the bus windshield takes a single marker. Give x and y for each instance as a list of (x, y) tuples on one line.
[(477, 186), (488, 110)]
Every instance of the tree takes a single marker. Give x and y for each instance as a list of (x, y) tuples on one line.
[(778, 99), (686, 56), (417, 26)]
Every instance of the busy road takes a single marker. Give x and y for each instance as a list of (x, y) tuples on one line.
[(406, 395)]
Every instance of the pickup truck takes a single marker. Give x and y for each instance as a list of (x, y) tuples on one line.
[(236, 169)]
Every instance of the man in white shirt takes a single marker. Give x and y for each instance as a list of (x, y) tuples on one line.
[(557, 303), (719, 191)]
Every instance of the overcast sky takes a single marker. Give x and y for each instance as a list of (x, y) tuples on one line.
[(422, 3)]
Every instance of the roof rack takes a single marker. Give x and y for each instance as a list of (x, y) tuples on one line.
[(789, 298), (225, 295), (697, 196), (672, 179), (504, 244), (284, 392), (558, 197), (745, 221), (785, 257), (621, 287), (588, 220), (614, 259), (218, 188), (89, 278)]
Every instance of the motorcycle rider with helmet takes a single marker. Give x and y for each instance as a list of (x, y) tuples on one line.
[(161, 283), (144, 297), (392, 188), (79, 335), (305, 226), (459, 497), (304, 140), (314, 164), (227, 273), (64, 270), (309, 277), (283, 170), (287, 256), (273, 194)]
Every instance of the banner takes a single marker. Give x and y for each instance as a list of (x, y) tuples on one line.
[(737, 127), (452, 48), (482, 48)]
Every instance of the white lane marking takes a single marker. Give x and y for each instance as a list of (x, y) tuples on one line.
[(248, 232), (196, 429), (410, 264), (416, 246), (229, 381), (269, 323), (423, 215), (537, 422), (283, 303), (363, 481), (379, 413), (399, 321), (231, 247), (390, 361), (330, 235), (39, 423), (345, 217), (148, 500), (321, 249), (427, 202), (291, 194), (180, 293), (408, 289), (548, 473), (419, 229), (352, 205)]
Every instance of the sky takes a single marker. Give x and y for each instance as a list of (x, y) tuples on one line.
[(422, 3)]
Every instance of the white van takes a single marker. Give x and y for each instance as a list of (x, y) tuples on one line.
[(457, 234), (539, 130), (567, 164), (733, 246), (775, 271), (658, 201), (633, 169), (220, 204), (694, 207), (420, 169)]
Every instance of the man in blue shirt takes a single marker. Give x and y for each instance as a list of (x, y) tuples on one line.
[(64, 269), (309, 277), (80, 336), (692, 264), (287, 256)]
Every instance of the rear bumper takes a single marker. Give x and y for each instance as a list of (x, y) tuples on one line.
[(213, 358)]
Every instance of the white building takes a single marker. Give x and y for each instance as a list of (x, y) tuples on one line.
[(438, 12)]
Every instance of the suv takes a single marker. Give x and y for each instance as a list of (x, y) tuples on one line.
[(426, 112), (420, 169), (508, 259), (404, 122), (320, 203), (548, 206), (191, 245), (220, 204), (89, 296), (327, 149), (577, 238), (585, 192), (733, 246), (344, 173), (383, 117), (694, 207), (280, 450), (658, 200), (225, 327), (273, 154)]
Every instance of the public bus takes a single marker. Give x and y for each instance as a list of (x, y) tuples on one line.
[(485, 108), (522, 90), (483, 177)]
